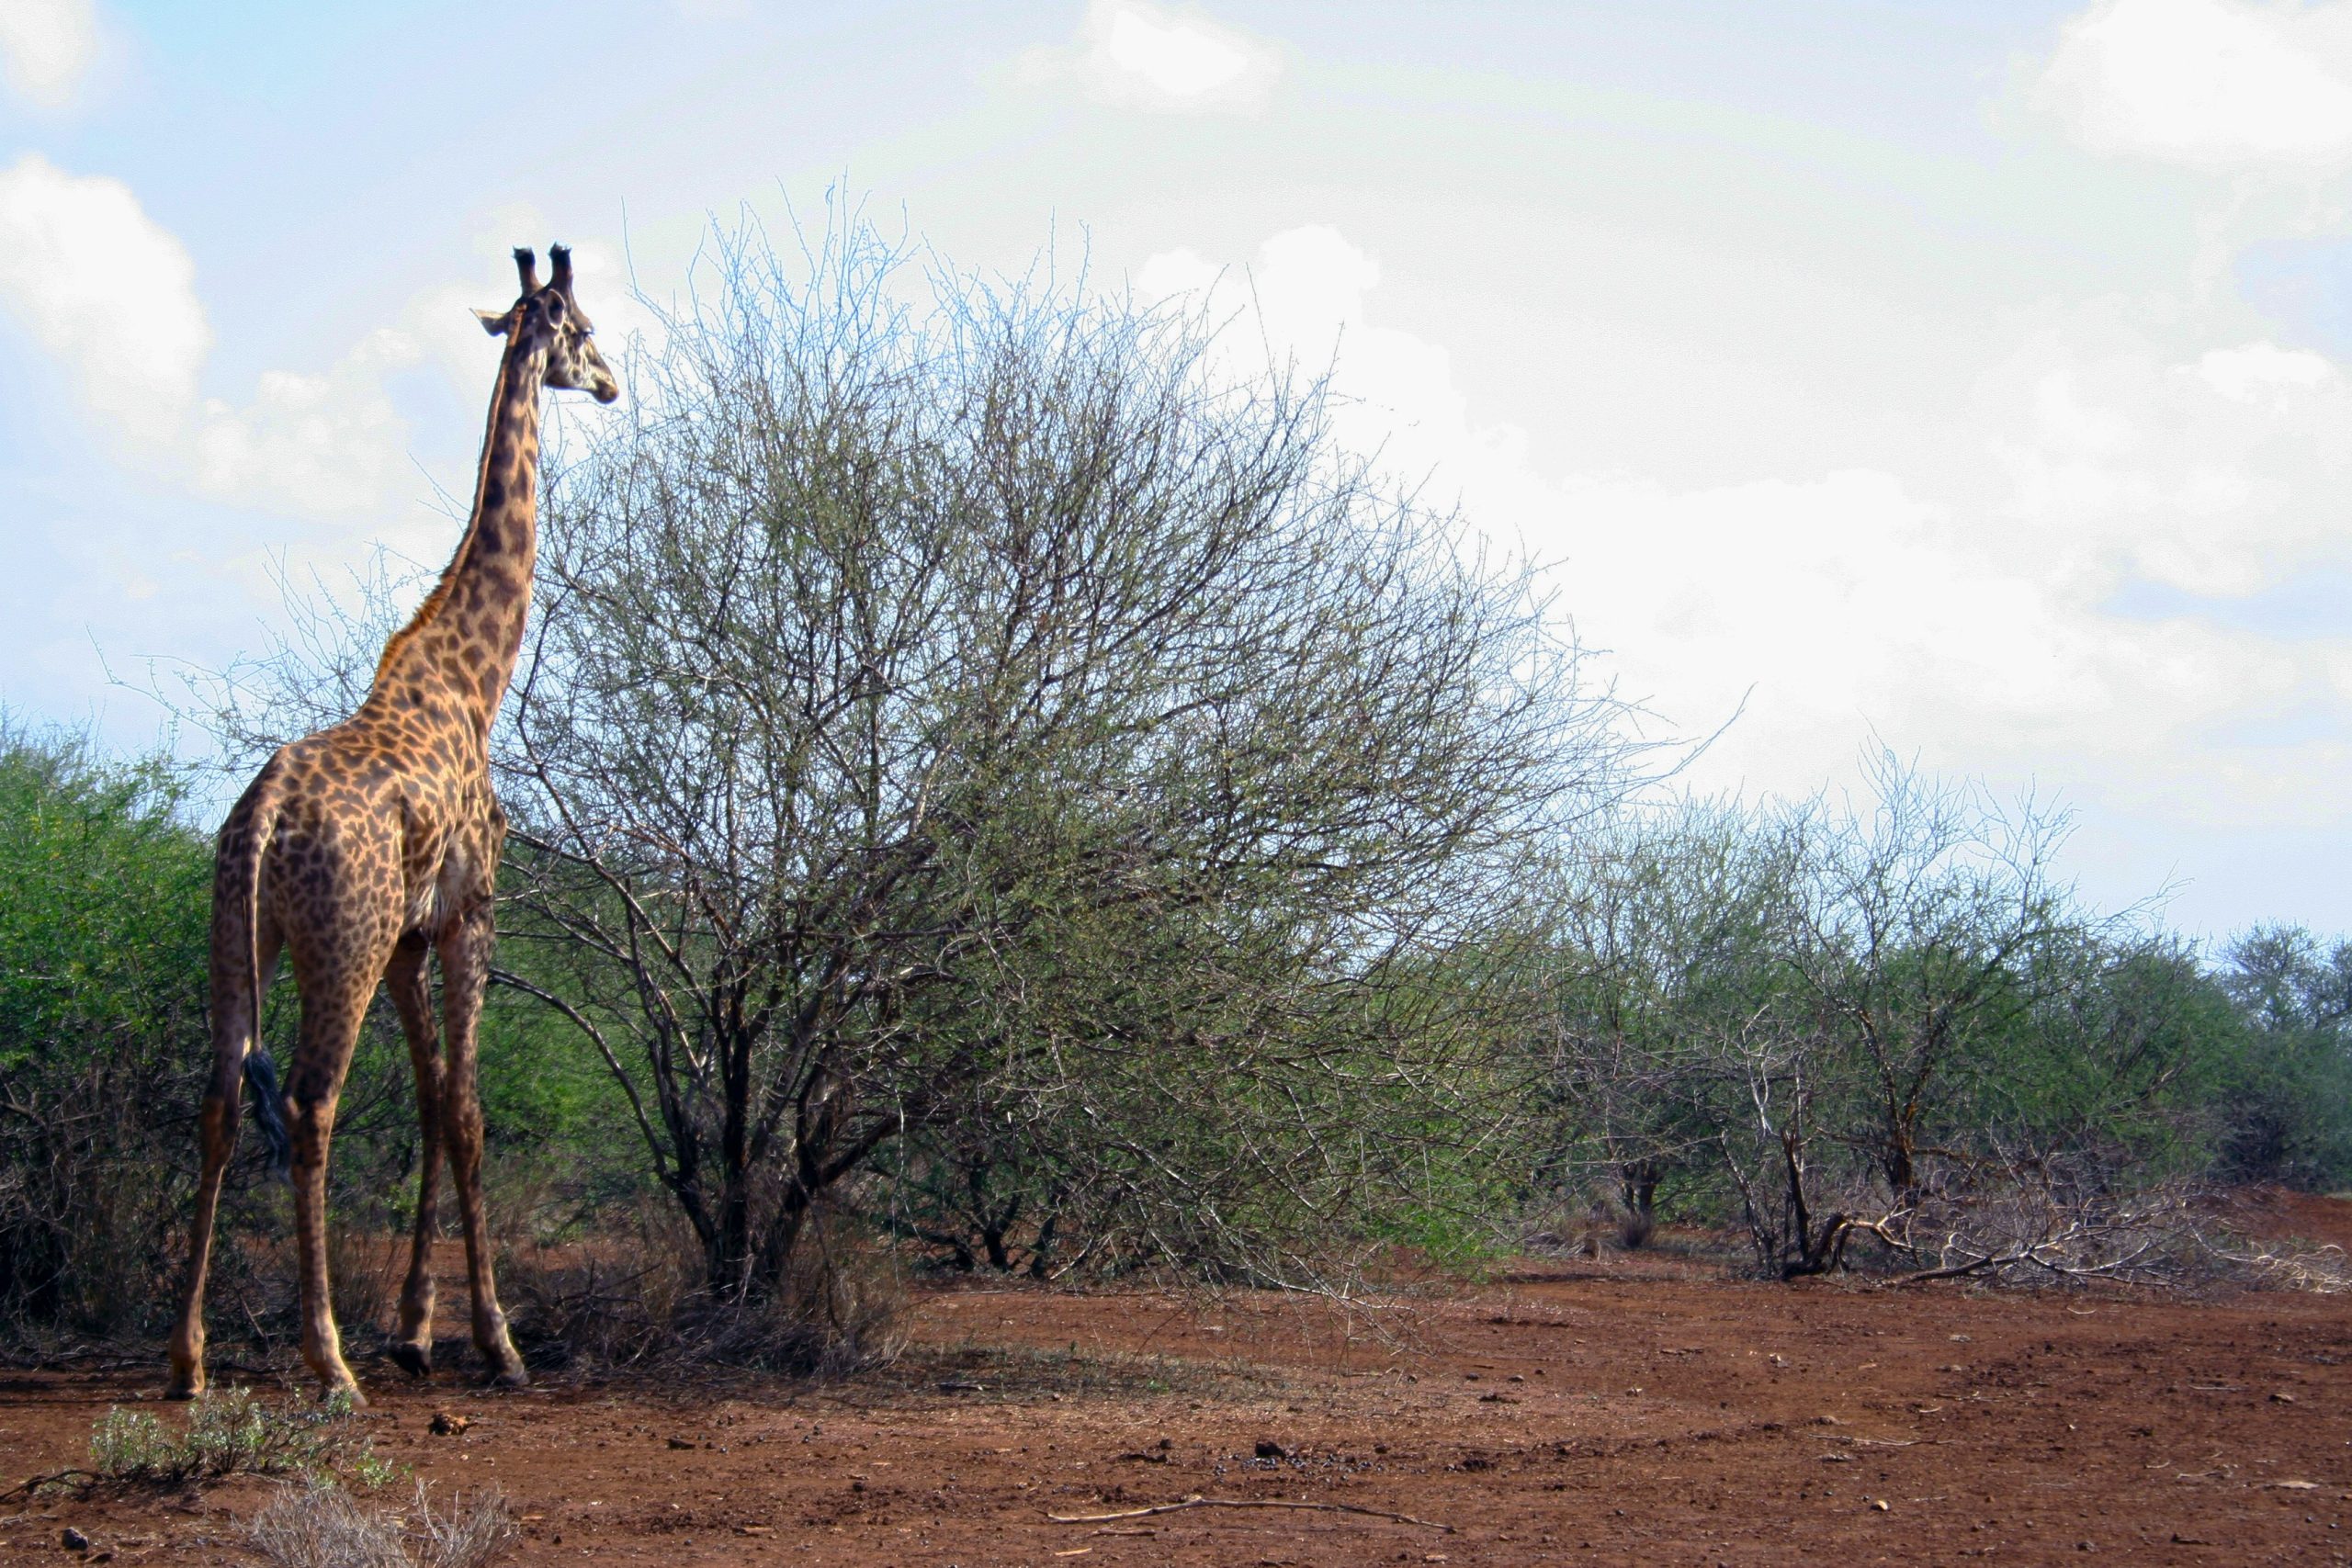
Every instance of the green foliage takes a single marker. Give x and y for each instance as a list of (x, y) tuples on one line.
[(102, 934), (233, 1433), (2284, 1097), (102, 1028)]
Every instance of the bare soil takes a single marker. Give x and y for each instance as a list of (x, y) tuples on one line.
[(1631, 1408)]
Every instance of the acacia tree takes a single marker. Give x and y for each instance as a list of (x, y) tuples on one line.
[(1662, 941), (938, 709), (1927, 927)]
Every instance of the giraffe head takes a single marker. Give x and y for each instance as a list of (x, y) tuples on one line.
[(551, 316)]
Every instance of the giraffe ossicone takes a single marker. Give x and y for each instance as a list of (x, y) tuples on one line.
[(364, 849)]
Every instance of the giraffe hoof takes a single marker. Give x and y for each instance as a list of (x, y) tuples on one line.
[(179, 1391), (417, 1360), (515, 1378)]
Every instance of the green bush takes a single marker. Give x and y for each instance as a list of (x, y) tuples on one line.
[(102, 1028), (2284, 1099), (233, 1433)]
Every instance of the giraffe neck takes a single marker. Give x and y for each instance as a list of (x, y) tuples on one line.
[(459, 648)]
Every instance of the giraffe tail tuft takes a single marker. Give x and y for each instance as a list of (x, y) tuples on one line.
[(261, 1073)]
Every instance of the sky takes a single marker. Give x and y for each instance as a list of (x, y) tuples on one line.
[(1972, 379)]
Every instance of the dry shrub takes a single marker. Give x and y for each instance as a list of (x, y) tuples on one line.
[(2046, 1233), (322, 1527), (365, 1269), (608, 1303), (2041, 1232), (841, 1308), (2323, 1270), (641, 1298)]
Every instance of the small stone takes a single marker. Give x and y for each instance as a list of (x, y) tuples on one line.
[(682, 1442), (1879, 1506), (75, 1541), (1268, 1449)]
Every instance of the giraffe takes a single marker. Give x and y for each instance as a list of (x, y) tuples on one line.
[(361, 849)]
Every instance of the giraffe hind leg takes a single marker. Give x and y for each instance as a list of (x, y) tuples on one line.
[(236, 1025), (336, 988), (217, 1124)]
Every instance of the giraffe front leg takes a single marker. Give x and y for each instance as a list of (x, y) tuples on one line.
[(412, 1345), (465, 972)]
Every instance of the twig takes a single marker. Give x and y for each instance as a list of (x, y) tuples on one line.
[(31, 1487), (1246, 1502)]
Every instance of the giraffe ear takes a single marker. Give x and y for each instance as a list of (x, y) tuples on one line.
[(496, 325)]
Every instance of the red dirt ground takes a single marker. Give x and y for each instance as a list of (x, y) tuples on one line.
[(1623, 1410)]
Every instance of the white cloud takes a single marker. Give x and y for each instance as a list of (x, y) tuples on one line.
[(46, 48), (2219, 474), (1304, 297), (1136, 54), (2212, 84), (1976, 627), (111, 295), (106, 289), (310, 443), (2262, 371)]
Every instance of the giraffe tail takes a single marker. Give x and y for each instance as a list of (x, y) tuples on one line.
[(243, 883), (261, 1073)]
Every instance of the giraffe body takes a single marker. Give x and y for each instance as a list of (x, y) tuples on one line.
[(362, 849)]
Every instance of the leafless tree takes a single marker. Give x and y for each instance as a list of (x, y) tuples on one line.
[(991, 706)]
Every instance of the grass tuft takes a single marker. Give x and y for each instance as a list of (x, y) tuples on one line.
[(324, 1527)]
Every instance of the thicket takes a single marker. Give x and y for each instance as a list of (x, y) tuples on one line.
[(1889, 1025), (993, 782), (1887, 1032)]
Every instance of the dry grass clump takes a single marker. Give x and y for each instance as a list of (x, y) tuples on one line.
[(323, 1527), (640, 1299)]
